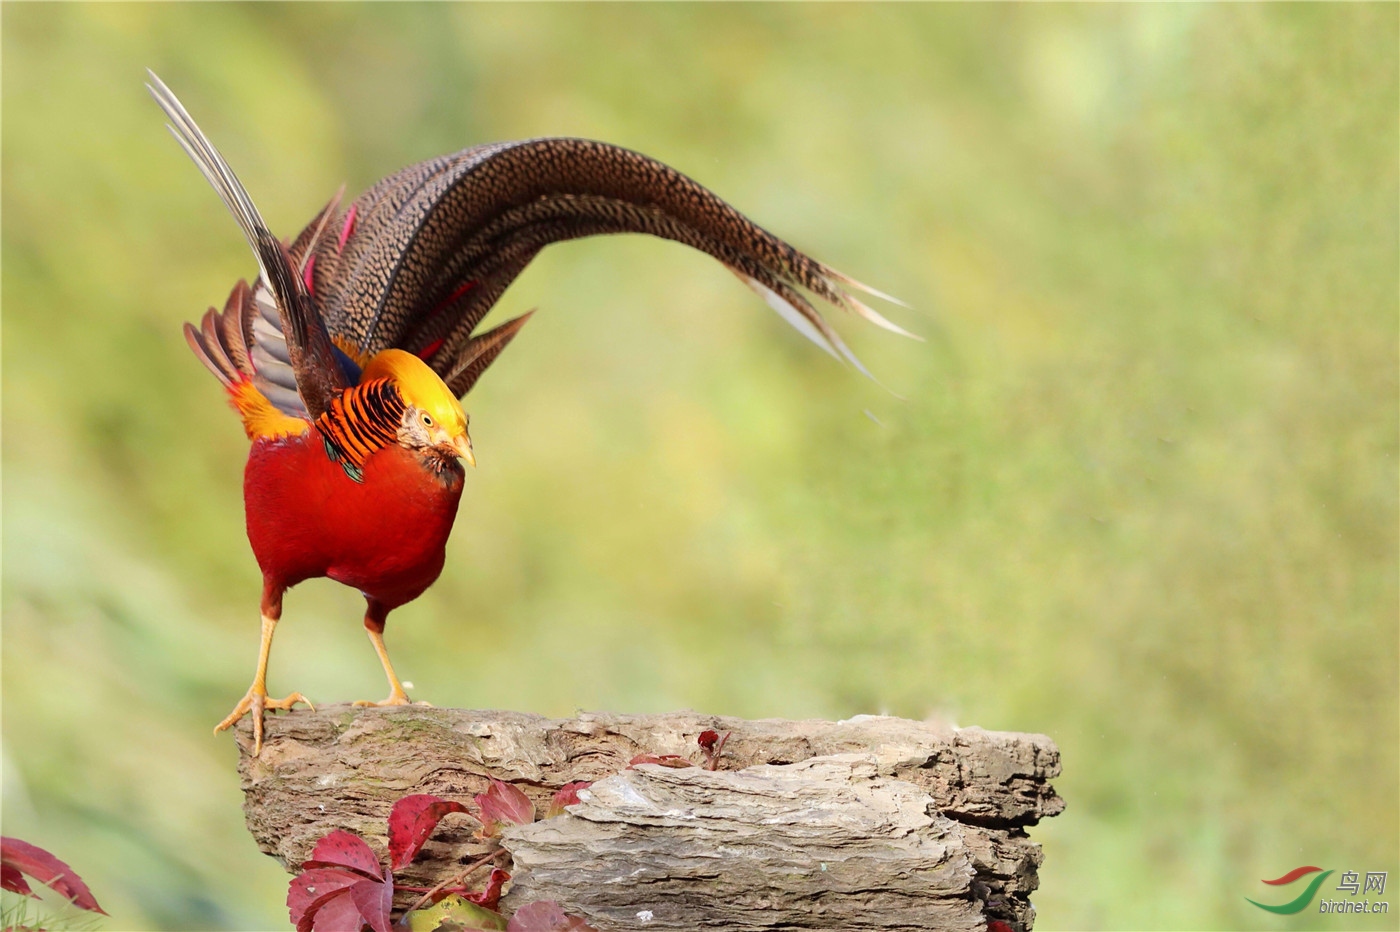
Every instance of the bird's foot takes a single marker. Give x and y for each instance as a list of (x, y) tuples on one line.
[(257, 702), (397, 697)]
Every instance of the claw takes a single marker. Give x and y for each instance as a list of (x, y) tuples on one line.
[(397, 697), (256, 702)]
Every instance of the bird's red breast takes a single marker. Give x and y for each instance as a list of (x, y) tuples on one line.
[(384, 535)]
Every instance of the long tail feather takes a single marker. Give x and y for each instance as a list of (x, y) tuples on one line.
[(318, 376), (879, 320), (850, 282), (480, 352), (421, 257), (788, 312)]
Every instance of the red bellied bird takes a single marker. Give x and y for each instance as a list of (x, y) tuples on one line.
[(347, 356)]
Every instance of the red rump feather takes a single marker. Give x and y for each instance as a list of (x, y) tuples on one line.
[(349, 228)]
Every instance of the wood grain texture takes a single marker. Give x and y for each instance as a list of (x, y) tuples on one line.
[(872, 823)]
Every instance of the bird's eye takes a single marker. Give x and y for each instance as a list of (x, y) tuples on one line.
[(427, 421)]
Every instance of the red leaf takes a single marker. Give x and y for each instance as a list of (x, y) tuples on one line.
[(501, 805), (374, 899), (310, 890), (545, 916), (344, 849), (47, 869), (567, 796), (713, 745), (11, 879), (412, 821), (661, 760), (491, 896), (339, 914)]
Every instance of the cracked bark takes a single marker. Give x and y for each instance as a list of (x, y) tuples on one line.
[(874, 823)]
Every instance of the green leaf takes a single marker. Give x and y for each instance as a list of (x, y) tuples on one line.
[(455, 913)]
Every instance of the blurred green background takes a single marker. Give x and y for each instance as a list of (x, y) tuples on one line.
[(1142, 496)]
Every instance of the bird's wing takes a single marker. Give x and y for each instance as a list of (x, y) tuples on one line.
[(418, 260), (221, 341), (298, 345)]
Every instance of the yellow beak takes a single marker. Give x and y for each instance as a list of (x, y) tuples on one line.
[(463, 445)]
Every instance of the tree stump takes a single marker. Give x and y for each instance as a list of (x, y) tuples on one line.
[(874, 823)]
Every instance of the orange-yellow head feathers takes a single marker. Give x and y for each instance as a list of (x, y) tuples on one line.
[(436, 418)]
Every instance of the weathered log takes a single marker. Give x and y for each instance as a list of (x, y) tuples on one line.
[(874, 823)]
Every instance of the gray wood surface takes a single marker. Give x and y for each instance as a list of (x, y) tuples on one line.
[(872, 823)]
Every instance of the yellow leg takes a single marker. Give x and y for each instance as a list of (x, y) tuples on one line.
[(396, 694), (374, 627), (255, 700)]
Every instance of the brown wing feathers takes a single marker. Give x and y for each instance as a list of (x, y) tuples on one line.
[(222, 342)]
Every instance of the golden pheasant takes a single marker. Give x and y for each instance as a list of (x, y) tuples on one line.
[(347, 356)]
